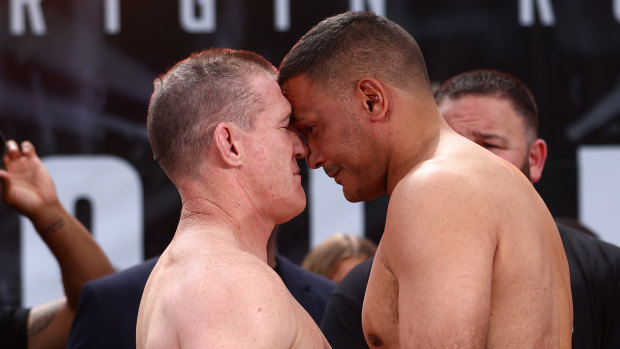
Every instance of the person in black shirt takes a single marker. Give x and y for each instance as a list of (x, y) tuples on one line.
[(342, 320), (482, 106)]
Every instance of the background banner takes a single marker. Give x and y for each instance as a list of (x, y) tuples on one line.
[(76, 77)]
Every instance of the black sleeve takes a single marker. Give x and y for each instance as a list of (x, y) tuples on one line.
[(595, 286), (91, 328), (342, 321), (613, 326), (14, 327)]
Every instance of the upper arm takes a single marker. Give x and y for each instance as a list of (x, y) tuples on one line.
[(440, 244), (49, 324)]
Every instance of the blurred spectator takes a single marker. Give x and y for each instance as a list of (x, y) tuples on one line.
[(337, 255)]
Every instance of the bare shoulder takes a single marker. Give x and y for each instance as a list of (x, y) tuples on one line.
[(440, 185), (461, 179), (240, 301), (222, 297), (448, 202)]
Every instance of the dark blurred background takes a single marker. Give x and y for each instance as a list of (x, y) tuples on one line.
[(76, 77)]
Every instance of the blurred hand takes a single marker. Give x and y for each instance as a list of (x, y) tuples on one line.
[(27, 186)]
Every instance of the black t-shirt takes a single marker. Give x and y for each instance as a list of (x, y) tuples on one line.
[(342, 320), (595, 283), (14, 327)]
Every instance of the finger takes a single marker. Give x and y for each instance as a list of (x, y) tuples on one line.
[(28, 149), (12, 150)]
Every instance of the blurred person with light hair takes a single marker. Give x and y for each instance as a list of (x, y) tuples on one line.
[(337, 255)]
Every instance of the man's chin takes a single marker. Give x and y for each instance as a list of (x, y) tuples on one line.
[(358, 195), (352, 196), (293, 210)]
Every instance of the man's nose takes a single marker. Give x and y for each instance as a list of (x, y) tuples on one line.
[(315, 158), (299, 146)]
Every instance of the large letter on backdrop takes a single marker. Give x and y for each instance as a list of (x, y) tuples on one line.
[(193, 23), (599, 190), (545, 11), (17, 17), (114, 190), (112, 17), (282, 15), (376, 6), (330, 212)]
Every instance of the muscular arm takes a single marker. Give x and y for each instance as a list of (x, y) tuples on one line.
[(440, 249), (28, 188)]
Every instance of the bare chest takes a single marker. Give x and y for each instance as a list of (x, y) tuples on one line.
[(380, 309)]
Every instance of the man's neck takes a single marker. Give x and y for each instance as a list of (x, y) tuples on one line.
[(243, 230), (413, 141)]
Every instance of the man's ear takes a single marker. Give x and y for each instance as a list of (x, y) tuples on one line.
[(373, 96), (537, 156), (227, 143)]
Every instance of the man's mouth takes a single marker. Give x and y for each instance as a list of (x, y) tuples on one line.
[(334, 174)]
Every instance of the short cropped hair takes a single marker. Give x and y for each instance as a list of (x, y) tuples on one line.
[(325, 258), (493, 83), (195, 95), (342, 49)]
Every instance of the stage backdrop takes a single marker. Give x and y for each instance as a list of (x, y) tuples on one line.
[(76, 76)]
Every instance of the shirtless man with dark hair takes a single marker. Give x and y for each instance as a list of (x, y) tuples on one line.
[(470, 256)]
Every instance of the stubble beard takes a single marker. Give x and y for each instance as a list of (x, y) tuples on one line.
[(363, 187), (361, 184)]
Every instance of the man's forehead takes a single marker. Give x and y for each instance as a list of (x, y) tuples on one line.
[(300, 111), (298, 89), (484, 108), (477, 101)]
